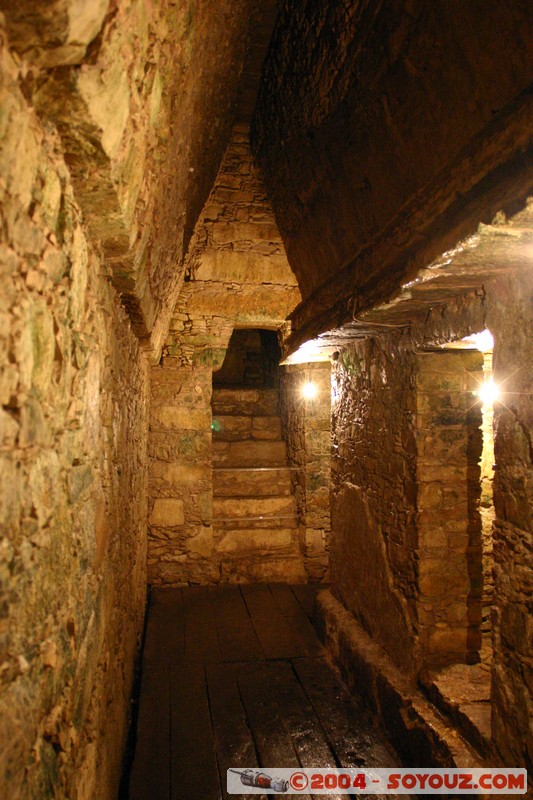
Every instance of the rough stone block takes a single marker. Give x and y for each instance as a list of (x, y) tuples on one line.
[(249, 542), (176, 418), (167, 512)]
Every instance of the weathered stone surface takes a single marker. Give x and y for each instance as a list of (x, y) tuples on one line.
[(374, 455), (111, 79), (253, 507), (74, 392), (167, 513), (449, 563), (249, 402), (376, 155), (510, 319), (307, 429), (238, 428), (270, 567), (413, 723), (249, 453), (54, 34), (244, 542), (463, 692), (240, 482)]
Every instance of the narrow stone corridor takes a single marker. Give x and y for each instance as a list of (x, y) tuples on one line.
[(235, 676), (266, 271)]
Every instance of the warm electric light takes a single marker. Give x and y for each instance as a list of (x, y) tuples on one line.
[(489, 392), (483, 340), (309, 390)]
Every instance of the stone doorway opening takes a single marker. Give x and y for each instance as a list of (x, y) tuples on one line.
[(255, 523), (252, 360), (455, 473)]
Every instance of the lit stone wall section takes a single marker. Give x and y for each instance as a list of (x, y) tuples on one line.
[(73, 423), (487, 513), (237, 275), (385, 477), (510, 319), (180, 545), (143, 97), (449, 555), (307, 430), (373, 500), (237, 262)]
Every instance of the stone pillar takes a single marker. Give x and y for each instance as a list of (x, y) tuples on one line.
[(511, 320), (180, 539), (307, 430), (449, 441), (487, 513)]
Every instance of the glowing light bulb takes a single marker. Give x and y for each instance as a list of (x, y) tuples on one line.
[(309, 390), (483, 340), (489, 392)]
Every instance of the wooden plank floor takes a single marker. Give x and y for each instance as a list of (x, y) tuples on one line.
[(235, 676)]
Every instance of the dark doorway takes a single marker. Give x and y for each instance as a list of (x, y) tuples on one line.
[(251, 360)]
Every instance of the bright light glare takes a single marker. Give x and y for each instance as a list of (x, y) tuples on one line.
[(309, 390), (489, 392), (484, 340)]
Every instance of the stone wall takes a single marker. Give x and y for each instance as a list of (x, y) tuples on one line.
[(180, 545), (307, 430), (396, 503), (236, 263), (143, 96), (237, 276), (386, 131), (374, 492), (486, 511), (510, 319), (73, 389), (450, 549)]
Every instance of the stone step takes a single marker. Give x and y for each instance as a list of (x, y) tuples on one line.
[(462, 692), (243, 523), (256, 508), (250, 454), (243, 542), (232, 428), (267, 567), (244, 402), (251, 482)]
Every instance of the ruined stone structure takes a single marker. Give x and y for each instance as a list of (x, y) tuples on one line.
[(354, 178)]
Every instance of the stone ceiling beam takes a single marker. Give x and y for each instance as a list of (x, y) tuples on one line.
[(386, 131)]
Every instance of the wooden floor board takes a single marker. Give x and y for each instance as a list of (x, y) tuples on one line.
[(266, 718), (201, 637), (194, 769), (277, 638), (150, 774), (348, 728), (297, 618), (234, 744), (234, 677), (166, 613), (236, 633), (305, 593)]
